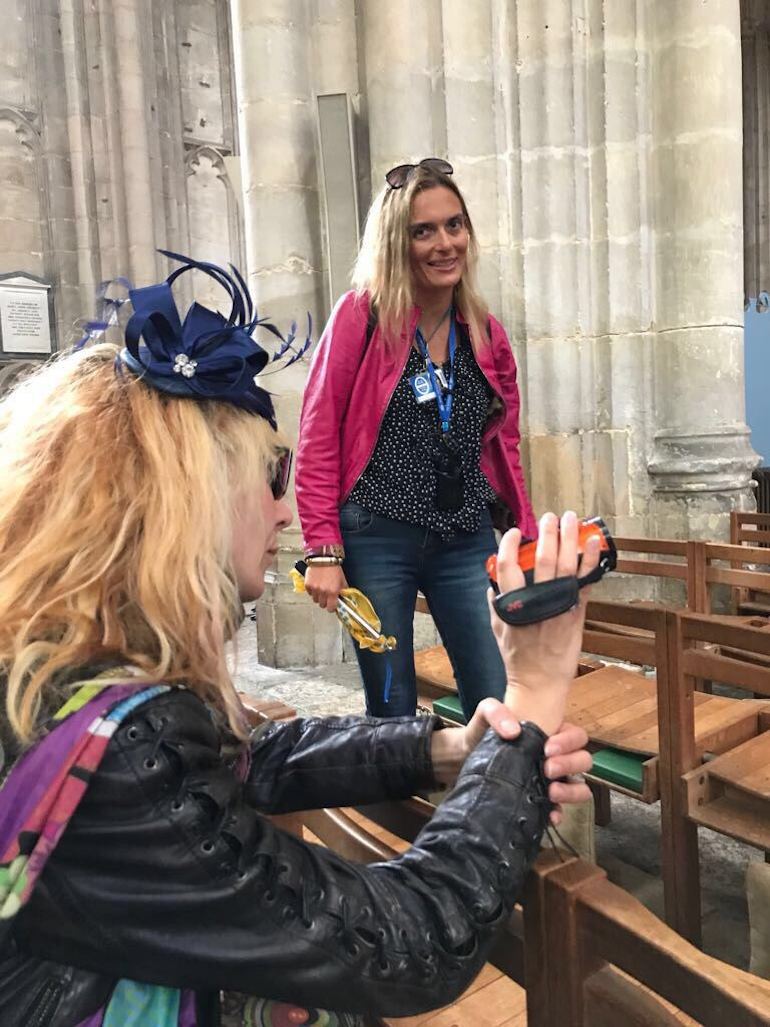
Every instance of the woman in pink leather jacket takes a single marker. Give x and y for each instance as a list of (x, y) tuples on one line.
[(409, 439)]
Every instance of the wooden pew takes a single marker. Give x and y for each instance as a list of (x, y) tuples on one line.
[(749, 528), (718, 564), (596, 957), (260, 710), (731, 792), (584, 953)]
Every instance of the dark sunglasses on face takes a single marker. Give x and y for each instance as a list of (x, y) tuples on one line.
[(398, 177), (279, 482)]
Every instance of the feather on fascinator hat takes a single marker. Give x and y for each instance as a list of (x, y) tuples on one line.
[(206, 356)]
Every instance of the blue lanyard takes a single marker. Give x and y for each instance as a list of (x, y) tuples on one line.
[(443, 402)]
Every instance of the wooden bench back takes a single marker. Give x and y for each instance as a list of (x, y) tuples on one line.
[(723, 651), (588, 953), (695, 660), (596, 957), (703, 565), (625, 631), (749, 528), (749, 584), (662, 557)]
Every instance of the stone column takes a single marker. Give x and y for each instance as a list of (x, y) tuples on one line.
[(131, 19), (471, 128), (574, 132), (701, 457), (277, 130), (404, 82), (80, 151)]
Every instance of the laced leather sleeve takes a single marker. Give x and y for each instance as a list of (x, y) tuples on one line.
[(167, 875), (310, 763)]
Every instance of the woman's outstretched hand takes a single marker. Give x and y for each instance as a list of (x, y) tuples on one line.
[(541, 659)]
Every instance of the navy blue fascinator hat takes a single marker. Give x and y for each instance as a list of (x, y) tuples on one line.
[(206, 356)]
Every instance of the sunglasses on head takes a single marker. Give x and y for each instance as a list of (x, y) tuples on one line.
[(398, 177), (279, 482)]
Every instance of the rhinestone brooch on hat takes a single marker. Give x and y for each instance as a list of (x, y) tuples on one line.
[(184, 366)]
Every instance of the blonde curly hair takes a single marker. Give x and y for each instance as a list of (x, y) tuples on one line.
[(115, 531)]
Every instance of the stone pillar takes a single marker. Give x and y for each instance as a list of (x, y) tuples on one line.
[(404, 83), (471, 128), (277, 129), (80, 152), (701, 456), (131, 19), (575, 128), (621, 133)]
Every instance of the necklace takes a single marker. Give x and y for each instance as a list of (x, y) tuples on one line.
[(442, 319)]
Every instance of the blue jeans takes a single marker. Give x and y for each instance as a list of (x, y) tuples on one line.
[(389, 561)]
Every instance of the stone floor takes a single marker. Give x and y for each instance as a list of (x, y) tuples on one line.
[(627, 848)]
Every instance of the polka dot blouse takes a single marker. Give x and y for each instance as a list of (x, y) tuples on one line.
[(399, 481)]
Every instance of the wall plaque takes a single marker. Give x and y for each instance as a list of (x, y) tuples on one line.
[(25, 318)]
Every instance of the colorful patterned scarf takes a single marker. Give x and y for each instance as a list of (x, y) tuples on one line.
[(37, 801)]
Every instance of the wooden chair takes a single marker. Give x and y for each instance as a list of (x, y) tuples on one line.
[(596, 957), (750, 529), (656, 558), (617, 705), (584, 953), (729, 793), (259, 710)]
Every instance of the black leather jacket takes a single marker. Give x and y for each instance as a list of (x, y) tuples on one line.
[(168, 873)]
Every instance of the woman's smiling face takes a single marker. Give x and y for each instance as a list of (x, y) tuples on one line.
[(438, 240)]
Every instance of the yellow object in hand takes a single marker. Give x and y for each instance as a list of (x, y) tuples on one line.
[(357, 614)]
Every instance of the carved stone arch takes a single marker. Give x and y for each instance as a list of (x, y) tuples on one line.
[(26, 129), (24, 198), (212, 205), (215, 156)]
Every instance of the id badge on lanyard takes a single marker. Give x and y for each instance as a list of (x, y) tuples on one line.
[(431, 384)]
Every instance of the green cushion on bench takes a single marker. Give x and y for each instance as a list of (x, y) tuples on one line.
[(449, 707), (620, 768)]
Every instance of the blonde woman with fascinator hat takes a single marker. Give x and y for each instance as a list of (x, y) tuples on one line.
[(409, 439), (141, 500)]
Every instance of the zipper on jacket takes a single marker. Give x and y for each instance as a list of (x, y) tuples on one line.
[(41, 1012)]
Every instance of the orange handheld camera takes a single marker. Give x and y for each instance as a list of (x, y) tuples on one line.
[(539, 601), (608, 554)]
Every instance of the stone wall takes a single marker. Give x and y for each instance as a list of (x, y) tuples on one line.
[(116, 120), (599, 147)]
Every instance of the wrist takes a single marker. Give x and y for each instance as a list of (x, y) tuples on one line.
[(330, 550), (543, 705), (447, 753)]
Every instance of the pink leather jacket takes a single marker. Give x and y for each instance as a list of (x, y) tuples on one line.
[(348, 391)]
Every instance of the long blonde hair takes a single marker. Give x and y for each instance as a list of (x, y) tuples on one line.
[(382, 268), (115, 531)]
